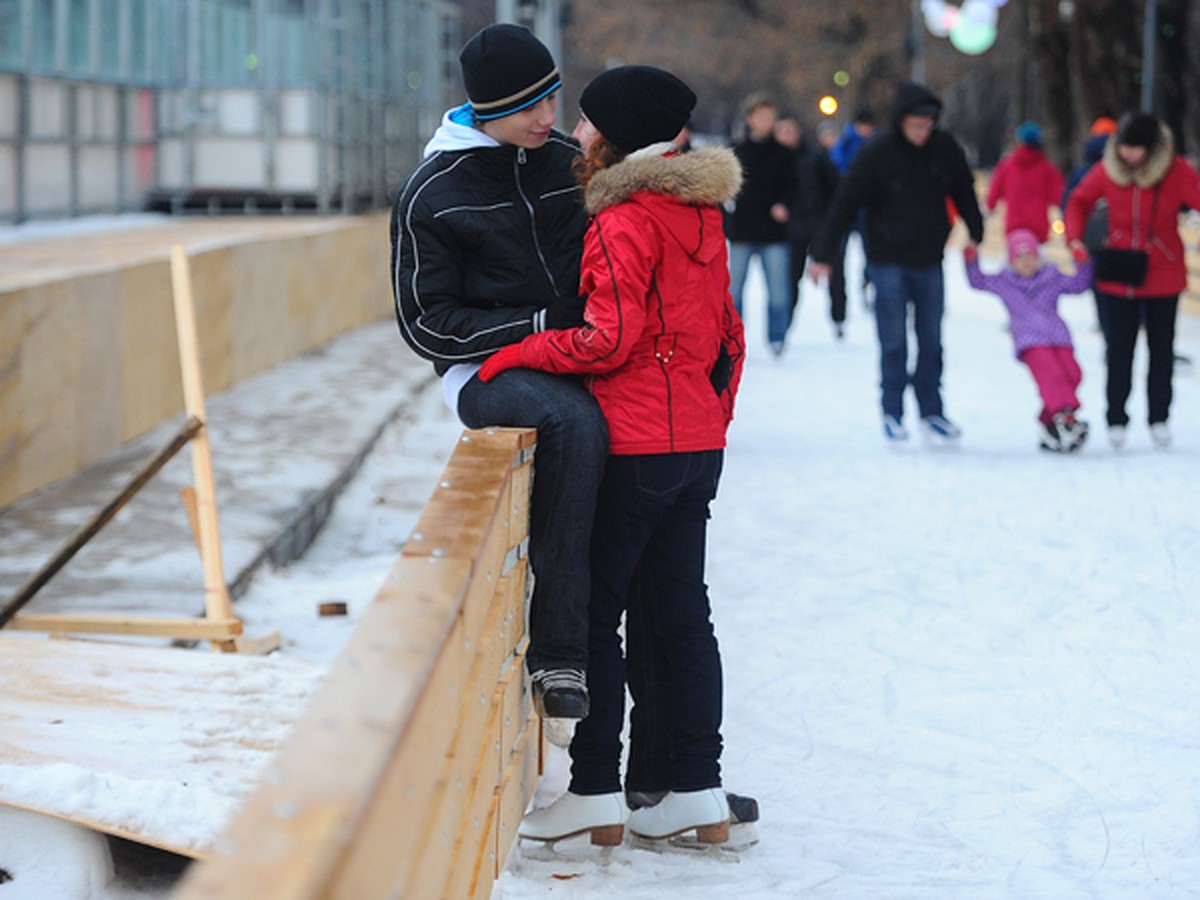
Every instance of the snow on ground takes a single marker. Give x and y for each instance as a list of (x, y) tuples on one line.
[(953, 673)]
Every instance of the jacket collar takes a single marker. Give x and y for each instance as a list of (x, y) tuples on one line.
[(709, 176), (1149, 173)]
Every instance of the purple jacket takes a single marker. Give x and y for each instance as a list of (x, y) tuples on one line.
[(1033, 302)]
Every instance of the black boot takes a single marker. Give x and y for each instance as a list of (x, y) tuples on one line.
[(560, 693)]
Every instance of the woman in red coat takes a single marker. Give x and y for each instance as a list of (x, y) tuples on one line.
[(1145, 185), (663, 349)]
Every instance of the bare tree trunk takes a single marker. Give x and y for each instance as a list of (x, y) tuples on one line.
[(1171, 94), (1050, 91), (1106, 58)]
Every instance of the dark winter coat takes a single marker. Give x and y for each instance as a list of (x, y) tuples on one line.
[(1136, 219), (1097, 223), (1029, 184), (1093, 152), (816, 181), (904, 189), (656, 274), (768, 180), (484, 238)]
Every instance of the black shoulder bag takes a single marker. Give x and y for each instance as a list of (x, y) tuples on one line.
[(1127, 266)]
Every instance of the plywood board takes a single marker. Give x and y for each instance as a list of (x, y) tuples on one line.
[(121, 737)]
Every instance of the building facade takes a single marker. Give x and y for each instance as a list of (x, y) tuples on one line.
[(217, 105)]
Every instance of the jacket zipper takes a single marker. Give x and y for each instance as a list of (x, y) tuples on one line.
[(518, 162)]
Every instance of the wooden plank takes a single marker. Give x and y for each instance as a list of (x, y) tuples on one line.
[(12, 329), (138, 733), (412, 791), (151, 385), (471, 854), (49, 382), (217, 604), (514, 792), (485, 584), (294, 832), (148, 626)]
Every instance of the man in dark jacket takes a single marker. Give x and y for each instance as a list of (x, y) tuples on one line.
[(486, 239), (904, 179), (815, 180), (757, 225)]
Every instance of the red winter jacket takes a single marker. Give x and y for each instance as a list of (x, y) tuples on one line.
[(656, 274), (1130, 195), (1029, 184)]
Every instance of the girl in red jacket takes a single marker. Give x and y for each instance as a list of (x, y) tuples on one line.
[(1145, 186), (663, 349)]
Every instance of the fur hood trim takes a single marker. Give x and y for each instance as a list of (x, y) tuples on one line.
[(710, 175), (1151, 172)]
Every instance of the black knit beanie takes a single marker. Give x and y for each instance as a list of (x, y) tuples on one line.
[(1138, 130), (635, 106), (506, 69)]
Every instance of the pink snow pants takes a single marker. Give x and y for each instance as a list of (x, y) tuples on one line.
[(1057, 375)]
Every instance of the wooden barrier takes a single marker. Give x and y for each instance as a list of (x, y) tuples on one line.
[(412, 766), (87, 337)]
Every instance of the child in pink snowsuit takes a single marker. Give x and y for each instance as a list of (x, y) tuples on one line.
[(1041, 339)]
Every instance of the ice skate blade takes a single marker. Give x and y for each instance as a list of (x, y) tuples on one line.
[(600, 836), (686, 845)]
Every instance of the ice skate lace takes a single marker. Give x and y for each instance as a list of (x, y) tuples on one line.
[(559, 679)]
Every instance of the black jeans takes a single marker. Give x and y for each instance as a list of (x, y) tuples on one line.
[(1125, 318), (572, 446), (654, 507)]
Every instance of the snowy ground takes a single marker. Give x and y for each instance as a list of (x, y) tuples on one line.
[(949, 673)]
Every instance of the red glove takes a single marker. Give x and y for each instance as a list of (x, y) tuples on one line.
[(501, 361), (1079, 252), (970, 253)]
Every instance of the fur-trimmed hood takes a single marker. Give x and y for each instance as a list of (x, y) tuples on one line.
[(1151, 172), (708, 176)]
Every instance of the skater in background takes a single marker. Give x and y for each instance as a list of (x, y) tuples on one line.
[(757, 224), (1028, 184), (1141, 270), (844, 147), (1041, 339), (815, 178), (903, 179), (1097, 221), (664, 348)]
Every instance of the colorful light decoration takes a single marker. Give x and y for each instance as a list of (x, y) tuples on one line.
[(970, 27)]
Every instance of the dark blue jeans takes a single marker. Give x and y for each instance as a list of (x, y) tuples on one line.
[(572, 446), (654, 509), (897, 288)]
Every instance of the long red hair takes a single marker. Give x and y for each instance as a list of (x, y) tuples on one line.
[(600, 155)]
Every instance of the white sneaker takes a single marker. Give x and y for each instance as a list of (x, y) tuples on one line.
[(894, 430), (603, 815), (706, 812), (1116, 436), (941, 429), (1160, 434)]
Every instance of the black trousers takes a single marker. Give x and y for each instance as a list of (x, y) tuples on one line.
[(1126, 317)]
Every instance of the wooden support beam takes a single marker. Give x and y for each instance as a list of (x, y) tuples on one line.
[(217, 603), (92, 526)]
